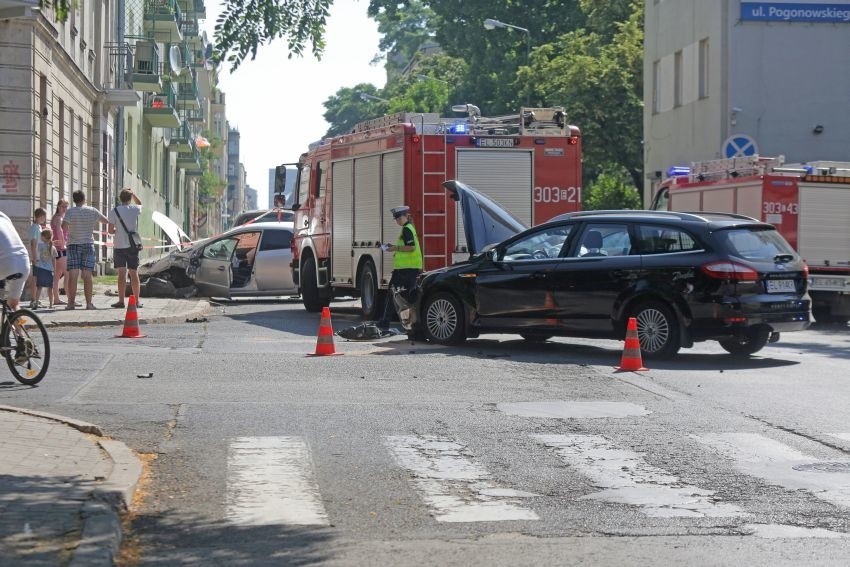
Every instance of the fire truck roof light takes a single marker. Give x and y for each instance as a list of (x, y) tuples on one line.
[(678, 171), (458, 129)]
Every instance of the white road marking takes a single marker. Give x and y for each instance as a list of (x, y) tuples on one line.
[(454, 487), (779, 531), (628, 479), (560, 409), (775, 463), (270, 481)]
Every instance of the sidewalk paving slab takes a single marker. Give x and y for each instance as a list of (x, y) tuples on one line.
[(63, 488)]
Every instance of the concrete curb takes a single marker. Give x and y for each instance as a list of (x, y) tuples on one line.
[(202, 308), (101, 533)]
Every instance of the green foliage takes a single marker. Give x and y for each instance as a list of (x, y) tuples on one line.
[(245, 25), (403, 32), (61, 8), (612, 189), (600, 83)]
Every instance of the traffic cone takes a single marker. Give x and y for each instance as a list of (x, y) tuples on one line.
[(325, 340), (549, 304), (131, 322), (631, 360)]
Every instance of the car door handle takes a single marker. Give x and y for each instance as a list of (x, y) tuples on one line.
[(221, 268), (539, 275)]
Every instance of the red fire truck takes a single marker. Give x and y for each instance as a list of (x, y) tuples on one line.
[(808, 203), (529, 162)]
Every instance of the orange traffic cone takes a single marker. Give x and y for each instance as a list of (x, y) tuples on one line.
[(549, 304), (631, 360), (131, 322), (325, 340)]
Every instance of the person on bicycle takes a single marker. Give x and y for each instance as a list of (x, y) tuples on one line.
[(14, 259)]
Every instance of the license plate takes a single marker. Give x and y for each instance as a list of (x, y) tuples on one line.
[(781, 286), (826, 283)]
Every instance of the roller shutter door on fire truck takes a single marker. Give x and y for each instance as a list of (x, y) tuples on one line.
[(504, 176), (342, 232)]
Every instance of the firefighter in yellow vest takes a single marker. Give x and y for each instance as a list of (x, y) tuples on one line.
[(407, 262)]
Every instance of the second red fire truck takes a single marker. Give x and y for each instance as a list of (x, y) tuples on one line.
[(529, 162), (808, 203)]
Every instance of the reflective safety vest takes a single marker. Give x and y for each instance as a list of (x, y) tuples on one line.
[(413, 259)]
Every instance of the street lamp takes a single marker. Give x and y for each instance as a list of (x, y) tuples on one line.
[(367, 97), (491, 24)]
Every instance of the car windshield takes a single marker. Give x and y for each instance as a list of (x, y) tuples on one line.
[(755, 244)]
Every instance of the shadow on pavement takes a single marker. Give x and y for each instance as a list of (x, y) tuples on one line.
[(554, 352), (40, 518), (178, 539)]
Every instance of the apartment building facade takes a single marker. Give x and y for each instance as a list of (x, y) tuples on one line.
[(115, 96), (727, 77)]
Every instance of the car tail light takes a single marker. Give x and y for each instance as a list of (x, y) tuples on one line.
[(726, 270), (805, 271)]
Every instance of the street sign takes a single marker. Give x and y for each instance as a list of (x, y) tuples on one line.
[(739, 145)]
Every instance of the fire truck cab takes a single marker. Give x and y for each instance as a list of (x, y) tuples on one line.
[(529, 162)]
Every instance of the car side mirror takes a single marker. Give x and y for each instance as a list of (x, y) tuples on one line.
[(494, 255)]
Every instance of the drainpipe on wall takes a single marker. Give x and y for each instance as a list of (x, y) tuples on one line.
[(119, 122)]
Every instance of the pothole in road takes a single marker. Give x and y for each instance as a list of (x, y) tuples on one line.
[(823, 467), (560, 409)]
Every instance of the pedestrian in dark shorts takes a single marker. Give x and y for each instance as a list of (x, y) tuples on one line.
[(81, 221), (124, 218)]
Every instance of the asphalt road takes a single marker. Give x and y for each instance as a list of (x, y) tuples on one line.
[(500, 452)]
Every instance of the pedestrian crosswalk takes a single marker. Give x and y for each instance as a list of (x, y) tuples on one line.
[(273, 480)]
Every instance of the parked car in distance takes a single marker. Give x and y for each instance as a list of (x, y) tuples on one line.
[(685, 277), (264, 215), (249, 260)]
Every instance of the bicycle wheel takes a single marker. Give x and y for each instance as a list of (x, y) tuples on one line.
[(27, 346)]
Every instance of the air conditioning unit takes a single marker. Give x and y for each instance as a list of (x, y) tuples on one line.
[(146, 60)]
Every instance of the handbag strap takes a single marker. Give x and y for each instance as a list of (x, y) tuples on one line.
[(128, 231)]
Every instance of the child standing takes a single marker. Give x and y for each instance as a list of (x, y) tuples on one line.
[(45, 265)]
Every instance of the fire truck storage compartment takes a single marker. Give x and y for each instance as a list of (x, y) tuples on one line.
[(503, 175), (824, 224), (393, 195), (367, 207), (342, 232)]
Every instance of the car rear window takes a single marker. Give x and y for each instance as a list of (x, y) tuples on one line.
[(754, 243), (665, 239)]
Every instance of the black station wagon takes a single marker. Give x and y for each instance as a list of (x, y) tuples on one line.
[(685, 277)]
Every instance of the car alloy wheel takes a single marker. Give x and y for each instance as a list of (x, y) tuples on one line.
[(443, 323), (658, 330)]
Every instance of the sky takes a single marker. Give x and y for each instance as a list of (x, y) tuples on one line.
[(276, 103)]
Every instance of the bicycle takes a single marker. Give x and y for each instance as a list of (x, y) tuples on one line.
[(23, 341)]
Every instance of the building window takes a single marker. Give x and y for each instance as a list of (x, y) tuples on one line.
[(656, 79), (703, 68), (61, 116), (72, 144), (677, 79)]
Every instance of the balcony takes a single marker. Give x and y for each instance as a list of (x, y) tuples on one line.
[(182, 140), (187, 95), (160, 109), (189, 160), (162, 20), (194, 7), (203, 74), (191, 31), (194, 116), (147, 68), (117, 83)]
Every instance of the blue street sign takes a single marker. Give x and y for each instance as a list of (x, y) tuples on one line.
[(795, 12), (739, 145)]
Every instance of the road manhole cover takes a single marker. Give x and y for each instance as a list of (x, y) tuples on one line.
[(824, 467)]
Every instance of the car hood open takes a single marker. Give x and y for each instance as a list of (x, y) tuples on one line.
[(484, 220), (172, 230)]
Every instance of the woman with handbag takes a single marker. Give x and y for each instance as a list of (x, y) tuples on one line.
[(126, 243)]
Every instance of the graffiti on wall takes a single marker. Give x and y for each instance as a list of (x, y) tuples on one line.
[(11, 177)]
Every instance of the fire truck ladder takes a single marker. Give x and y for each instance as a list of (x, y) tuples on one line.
[(435, 220)]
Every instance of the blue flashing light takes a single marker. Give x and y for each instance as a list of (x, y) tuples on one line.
[(678, 171), (458, 129), (810, 169)]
